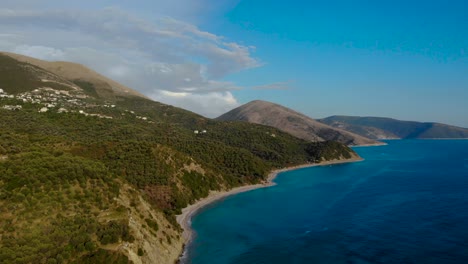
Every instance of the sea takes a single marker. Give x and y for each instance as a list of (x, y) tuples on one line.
[(407, 202)]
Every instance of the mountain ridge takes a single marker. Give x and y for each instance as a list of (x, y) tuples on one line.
[(390, 128), (77, 72), (293, 122)]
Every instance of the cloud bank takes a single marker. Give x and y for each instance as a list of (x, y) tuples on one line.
[(169, 60)]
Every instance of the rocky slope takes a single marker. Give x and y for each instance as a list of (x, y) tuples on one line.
[(290, 121)]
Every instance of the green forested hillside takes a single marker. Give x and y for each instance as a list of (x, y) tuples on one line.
[(74, 178)]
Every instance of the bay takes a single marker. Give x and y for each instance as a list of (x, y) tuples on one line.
[(407, 202)]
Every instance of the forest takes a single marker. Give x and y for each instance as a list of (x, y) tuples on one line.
[(62, 174)]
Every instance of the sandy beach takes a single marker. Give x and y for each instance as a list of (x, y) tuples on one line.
[(185, 219)]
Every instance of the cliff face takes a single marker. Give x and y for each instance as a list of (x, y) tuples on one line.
[(163, 244), (290, 121), (388, 128)]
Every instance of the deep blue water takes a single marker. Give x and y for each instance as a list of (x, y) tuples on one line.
[(406, 203)]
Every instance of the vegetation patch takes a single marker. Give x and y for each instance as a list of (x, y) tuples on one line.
[(60, 185)]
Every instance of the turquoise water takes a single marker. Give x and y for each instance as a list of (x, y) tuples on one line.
[(406, 203)]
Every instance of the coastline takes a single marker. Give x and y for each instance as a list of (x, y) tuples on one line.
[(370, 145), (185, 219)]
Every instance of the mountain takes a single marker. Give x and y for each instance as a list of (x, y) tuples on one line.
[(94, 172), (386, 128), (290, 121), (77, 73)]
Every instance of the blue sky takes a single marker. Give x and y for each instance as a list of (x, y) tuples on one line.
[(401, 59)]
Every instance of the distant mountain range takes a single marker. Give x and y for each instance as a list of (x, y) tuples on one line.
[(388, 128), (292, 122)]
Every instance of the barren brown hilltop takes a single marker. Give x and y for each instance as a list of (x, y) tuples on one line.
[(294, 123), (77, 72)]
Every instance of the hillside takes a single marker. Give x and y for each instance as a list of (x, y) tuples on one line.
[(77, 73), (90, 174), (290, 121), (385, 128)]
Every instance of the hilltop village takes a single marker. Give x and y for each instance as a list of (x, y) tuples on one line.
[(46, 99)]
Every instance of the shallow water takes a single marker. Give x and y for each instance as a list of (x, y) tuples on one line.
[(406, 203)]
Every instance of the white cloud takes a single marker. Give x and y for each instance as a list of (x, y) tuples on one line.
[(188, 10), (164, 58), (40, 52), (211, 104), (166, 40)]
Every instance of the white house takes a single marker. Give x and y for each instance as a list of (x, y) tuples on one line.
[(12, 107), (43, 110), (195, 131)]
